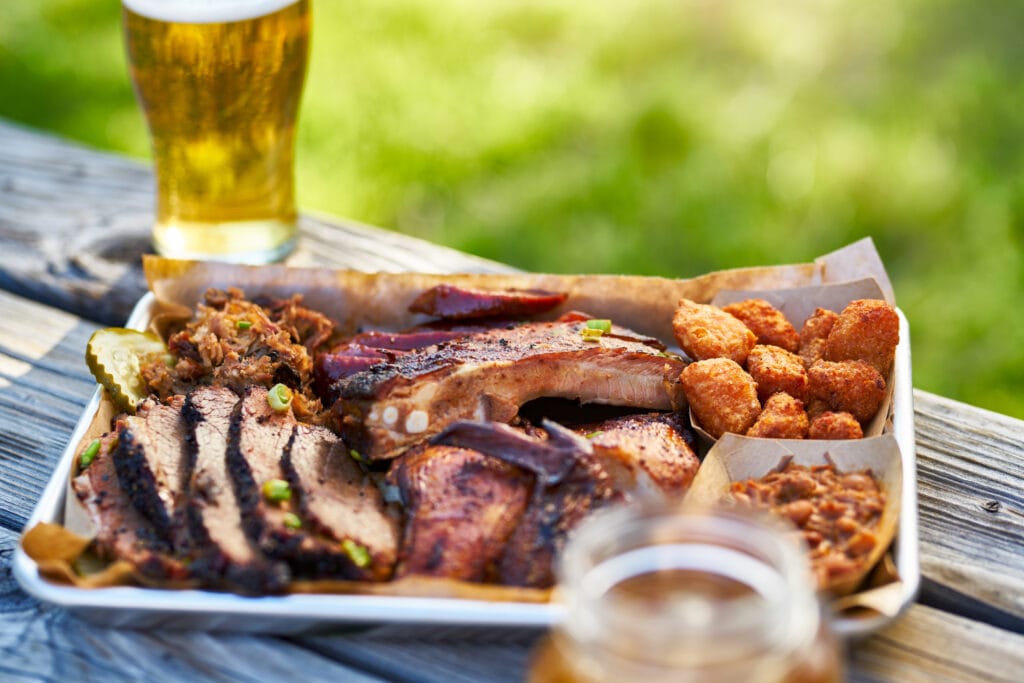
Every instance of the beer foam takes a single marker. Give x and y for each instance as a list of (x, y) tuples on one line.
[(205, 11)]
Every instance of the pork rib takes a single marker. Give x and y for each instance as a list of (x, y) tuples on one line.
[(489, 375)]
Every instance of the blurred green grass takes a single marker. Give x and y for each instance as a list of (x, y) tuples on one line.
[(666, 137)]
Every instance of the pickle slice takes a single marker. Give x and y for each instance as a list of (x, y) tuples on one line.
[(114, 356)]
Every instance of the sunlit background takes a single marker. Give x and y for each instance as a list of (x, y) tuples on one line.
[(666, 137)]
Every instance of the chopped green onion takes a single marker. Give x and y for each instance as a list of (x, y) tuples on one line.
[(169, 360), (591, 435), (292, 521), (279, 397), (359, 555), (243, 324), (602, 324), (591, 334), (89, 453), (276, 490), (356, 455)]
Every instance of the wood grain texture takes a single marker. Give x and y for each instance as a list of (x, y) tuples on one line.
[(971, 488), (929, 646), (41, 643), (74, 223)]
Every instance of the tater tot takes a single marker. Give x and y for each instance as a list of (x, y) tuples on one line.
[(852, 386), (815, 407), (783, 417), (776, 369), (767, 322), (831, 425), (707, 332), (867, 330), (814, 334), (721, 395)]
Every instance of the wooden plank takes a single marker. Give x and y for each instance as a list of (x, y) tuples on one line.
[(919, 647), (970, 468), (44, 386), (450, 654), (43, 644), (929, 645), (74, 223)]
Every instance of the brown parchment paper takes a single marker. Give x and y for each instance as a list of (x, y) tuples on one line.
[(737, 458), (356, 299), (359, 300)]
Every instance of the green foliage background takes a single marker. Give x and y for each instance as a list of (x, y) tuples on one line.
[(665, 137)]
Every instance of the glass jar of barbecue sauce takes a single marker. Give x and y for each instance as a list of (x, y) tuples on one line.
[(653, 596)]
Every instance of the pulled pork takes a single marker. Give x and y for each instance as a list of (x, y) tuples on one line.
[(236, 343)]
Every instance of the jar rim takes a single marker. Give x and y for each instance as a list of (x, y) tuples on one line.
[(778, 612)]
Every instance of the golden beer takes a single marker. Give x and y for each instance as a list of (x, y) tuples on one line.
[(220, 84)]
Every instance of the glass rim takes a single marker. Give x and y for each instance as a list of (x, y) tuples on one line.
[(779, 612)]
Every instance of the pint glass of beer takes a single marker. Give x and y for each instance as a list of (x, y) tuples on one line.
[(220, 82)]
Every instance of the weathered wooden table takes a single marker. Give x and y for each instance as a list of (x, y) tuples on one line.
[(73, 223)]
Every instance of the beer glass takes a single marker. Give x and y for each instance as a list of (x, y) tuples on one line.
[(220, 82)]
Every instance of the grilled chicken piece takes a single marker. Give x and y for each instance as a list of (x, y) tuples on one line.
[(570, 482), (122, 532), (554, 511), (260, 438), (225, 555), (652, 452), (624, 458), (338, 501), (152, 465), (462, 507), (489, 375)]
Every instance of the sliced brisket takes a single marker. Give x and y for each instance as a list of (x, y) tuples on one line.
[(339, 502), (121, 530), (224, 554), (152, 466), (260, 439)]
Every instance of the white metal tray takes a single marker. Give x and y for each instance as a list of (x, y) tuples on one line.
[(209, 610)]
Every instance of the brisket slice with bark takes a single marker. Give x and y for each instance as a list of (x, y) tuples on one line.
[(121, 531), (225, 556), (462, 506), (152, 466), (260, 438), (339, 502), (489, 375)]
